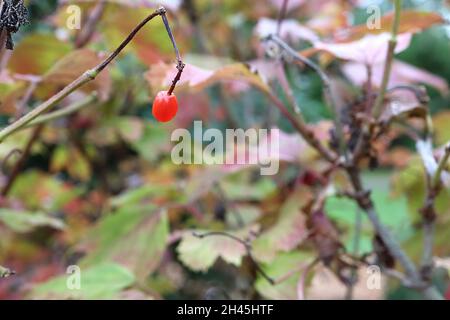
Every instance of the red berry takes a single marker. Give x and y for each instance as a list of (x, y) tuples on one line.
[(165, 107)]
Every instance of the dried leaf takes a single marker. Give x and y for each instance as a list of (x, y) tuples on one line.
[(134, 237)]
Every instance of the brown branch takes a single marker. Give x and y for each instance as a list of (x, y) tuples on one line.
[(303, 129), (85, 35), (86, 77), (331, 97), (20, 163), (364, 201), (377, 108)]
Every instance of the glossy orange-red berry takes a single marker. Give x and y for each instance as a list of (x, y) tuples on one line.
[(165, 107)]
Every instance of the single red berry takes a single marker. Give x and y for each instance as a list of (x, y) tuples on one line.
[(165, 107)]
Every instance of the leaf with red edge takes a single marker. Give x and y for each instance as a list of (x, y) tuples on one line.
[(288, 231), (411, 21), (370, 49), (402, 73), (134, 237), (196, 78)]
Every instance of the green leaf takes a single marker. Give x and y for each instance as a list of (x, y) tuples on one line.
[(199, 254), (103, 281), (134, 237), (24, 221), (152, 142), (281, 266)]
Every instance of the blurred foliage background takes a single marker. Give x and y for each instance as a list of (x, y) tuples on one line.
[(97, 188)]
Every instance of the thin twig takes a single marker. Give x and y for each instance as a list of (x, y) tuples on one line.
[(78, 105), (86, 77), (377, 108), (326, 83), (282, 16), (284, 83), (8, 157), (303, 129), (247, 246)]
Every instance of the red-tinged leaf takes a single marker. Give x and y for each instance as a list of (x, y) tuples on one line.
[(410, 22), (195, 78), (402, 73), (369, 50), (289, 230), (290, 29), (328, 16), (74, 65), (133, 237), (47, 47), (279, 146)]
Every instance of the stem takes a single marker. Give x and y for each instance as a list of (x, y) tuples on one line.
[(441, 166), (63, 112), (281, 16), (19, 164), (377, 109), (326, 82), (86, 77), (364, 201), (303, 129)]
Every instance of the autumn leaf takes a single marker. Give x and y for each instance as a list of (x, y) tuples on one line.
[(102, 281), (133, 236), (195, 78), (24, 221), (200, 253), (411, 21)]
